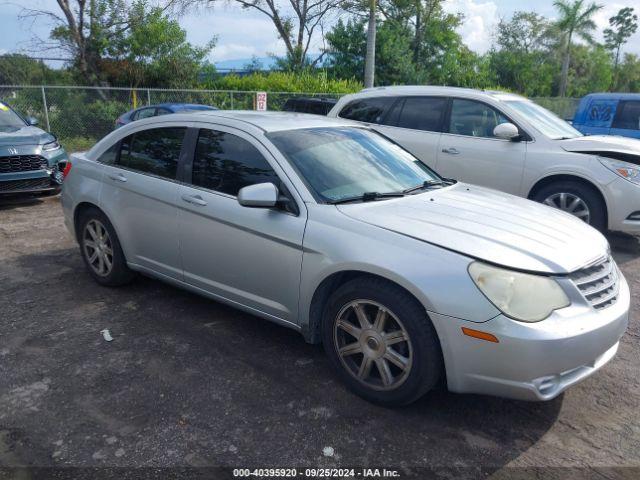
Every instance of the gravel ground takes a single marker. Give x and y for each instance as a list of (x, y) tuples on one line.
[(188, 382)]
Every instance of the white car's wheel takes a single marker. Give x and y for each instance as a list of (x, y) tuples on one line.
[(576, 198), (101, 249), (381, 341)]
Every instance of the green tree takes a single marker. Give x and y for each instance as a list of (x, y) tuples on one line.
[(154, 51), (576, 19), (100, 33), (439, 50), (521, 60), (19, 69), (526, 32), (370, 57), (591, 70), (628, 74), (347, 44), (621, 27)]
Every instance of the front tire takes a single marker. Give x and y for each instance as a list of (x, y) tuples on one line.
[(101, 251), (381, 342), (576, 198)]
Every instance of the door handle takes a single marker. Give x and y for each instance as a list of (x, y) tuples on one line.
[(451, 151), (118, 178), (194, 200)]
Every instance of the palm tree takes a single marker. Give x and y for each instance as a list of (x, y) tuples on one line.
[(575, 19), (370, 58)]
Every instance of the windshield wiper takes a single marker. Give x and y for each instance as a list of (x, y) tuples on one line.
[(428, 184), (368, 197)]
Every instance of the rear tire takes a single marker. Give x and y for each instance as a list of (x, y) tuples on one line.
[(588, 205), (381, 342), (101, 251)]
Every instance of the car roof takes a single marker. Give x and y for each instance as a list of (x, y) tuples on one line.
[(182, 105), (269, 121), (614, 96), (312, 99), (433, 90), (177, 106)]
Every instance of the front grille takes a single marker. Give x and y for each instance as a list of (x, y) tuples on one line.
[(22, 163), (598, 283), (25, 185)]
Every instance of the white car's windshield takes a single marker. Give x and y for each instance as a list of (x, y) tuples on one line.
[(549, 124), (347, 162)]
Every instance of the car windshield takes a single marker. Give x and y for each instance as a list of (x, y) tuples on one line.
[(344, 162), (9, 120), (548, 123)]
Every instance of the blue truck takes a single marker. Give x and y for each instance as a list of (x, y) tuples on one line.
[(609, 114)]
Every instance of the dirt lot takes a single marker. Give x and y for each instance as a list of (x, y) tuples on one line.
[(188, 382)]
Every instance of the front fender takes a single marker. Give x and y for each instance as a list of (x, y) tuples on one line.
[(437, 277)]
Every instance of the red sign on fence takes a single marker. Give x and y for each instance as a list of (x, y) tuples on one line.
[(261, 101)]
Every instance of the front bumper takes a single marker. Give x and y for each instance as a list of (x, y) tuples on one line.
[(623, 201), (532, 361), (42, 179)]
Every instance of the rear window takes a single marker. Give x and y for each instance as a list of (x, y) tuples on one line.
[(628, 115), (370, 110), (600, 112)]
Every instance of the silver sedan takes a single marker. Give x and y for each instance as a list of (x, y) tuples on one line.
[(335, 231)]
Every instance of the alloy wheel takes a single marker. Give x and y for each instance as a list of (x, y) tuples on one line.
[(570, 203), (373, 344), (98, 248)]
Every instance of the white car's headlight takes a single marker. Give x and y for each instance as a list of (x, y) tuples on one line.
[(521, 296), (47, 147), (626, 170)]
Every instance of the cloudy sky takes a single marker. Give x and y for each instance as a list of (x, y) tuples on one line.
[(242, 34)]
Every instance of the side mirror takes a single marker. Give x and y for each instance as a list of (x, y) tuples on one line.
[(507, 131), (260, 195), (33, 121)]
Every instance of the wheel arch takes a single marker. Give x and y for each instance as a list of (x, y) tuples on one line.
[(563, 177), (84, 206), (333, 281)]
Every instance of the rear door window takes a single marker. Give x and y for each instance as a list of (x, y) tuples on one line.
[(110, 155), (144, 113), (155, 151), (423, 113), (369, 110), (628, 115), (225, 163)]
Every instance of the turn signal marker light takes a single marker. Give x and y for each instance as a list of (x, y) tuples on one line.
[(480, 335)]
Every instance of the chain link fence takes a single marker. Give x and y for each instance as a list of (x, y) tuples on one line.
[(565, 108), (80, 116)]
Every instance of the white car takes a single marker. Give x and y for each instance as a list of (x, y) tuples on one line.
[(328, 228), (506, 142)]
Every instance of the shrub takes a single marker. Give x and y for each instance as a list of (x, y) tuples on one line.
[(309, 82)]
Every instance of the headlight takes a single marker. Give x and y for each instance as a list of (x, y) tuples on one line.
[(521, 296), (626, 170), (47, 147)]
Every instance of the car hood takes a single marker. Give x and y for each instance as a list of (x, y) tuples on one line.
[(489, 225), (24, 136), (598, 144)]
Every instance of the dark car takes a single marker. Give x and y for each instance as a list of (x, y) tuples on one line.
[(609, 114), (317, 106), (29, 156), (160, 109)]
